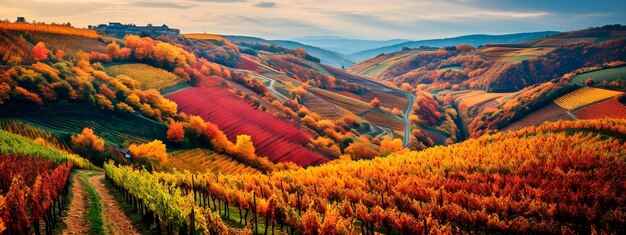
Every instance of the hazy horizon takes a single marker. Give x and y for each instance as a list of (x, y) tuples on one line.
[(370, 20)]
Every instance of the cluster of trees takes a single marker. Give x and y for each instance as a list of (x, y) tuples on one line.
[(35, 190), (53, 80), (470, 187)]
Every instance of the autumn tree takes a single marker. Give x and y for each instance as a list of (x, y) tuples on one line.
[(310, 223), (389, 146), (89, 145), (359, 151), (375, 102), (60, 54), (40, 52), (151, 155), (175, 133), (301, 52), (244, 146)]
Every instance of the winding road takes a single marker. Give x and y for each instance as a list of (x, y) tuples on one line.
[(407, 123)]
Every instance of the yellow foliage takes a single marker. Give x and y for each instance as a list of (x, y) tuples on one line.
[(584, 96), (154, 151)]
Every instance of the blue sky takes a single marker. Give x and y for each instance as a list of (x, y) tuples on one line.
[(363, 19)]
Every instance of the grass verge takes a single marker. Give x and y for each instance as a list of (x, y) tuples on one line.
[(94, 209)]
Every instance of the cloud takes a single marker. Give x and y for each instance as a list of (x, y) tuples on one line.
[(163, 5), (221, 1), (266, 4)]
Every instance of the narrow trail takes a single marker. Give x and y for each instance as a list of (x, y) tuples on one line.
[(76, 221), (113, 217)]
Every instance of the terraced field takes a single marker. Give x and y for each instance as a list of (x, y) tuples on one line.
[(203, 160), (148, 76), (322, 107), (557, 42), (584, 96), (71, 45), (386, 100), (499, 53), (32, 132), (474, 98), (548, 112), (384, 119), (371, 68), (203, 36), (350, 104), (611, 74), (606, 109), (113, 128)]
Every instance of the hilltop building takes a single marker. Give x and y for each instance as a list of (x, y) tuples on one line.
[(120, 30)]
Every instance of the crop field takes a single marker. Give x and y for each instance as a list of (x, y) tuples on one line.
[(386, 100), (557, 42), (381, 118), (372, 67), (203, 160), (353, 105), (549, 111), (584, 96), (475, 98), (322, 107), (12, 45), (528, 53), (611, 74), (148, 76), (69, 44), (203, 36), (499, 53), (349, 94), (112, 128), (31, 132), (47, 28), (606, 109), (273, 138)]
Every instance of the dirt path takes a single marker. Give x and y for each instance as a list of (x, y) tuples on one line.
[(113, 217), (76, 221)]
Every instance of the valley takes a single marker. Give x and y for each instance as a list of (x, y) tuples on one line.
[(169, 131)]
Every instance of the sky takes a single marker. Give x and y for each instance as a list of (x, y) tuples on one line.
[(359, 19)]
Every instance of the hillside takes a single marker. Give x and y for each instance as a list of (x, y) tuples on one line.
[(327, 57), (474, 40), (346, 45)]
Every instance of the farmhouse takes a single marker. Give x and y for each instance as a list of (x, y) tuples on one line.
[(120, 30)]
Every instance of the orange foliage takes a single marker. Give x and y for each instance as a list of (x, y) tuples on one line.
[(375, 102), (88, 140), (175, 133), (40, 52), (154, 152)]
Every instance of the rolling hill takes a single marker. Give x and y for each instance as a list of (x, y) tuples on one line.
[(346, 45), (474, 40), (327, 57)]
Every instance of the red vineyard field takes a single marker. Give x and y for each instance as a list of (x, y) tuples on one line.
[(273, 138), (547, 112), (606, 109)]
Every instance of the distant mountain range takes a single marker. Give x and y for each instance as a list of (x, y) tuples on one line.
[(474, 40), (338, 52), (345, 45), (327, 57)]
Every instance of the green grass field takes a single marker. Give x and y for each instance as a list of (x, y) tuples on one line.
[(611, 74)]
